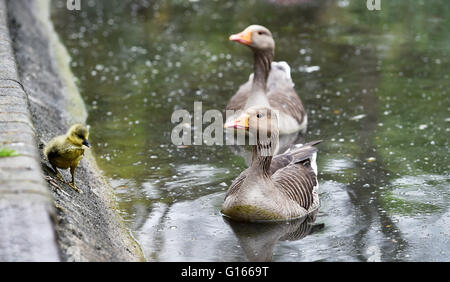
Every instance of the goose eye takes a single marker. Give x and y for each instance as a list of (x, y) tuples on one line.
[(260, 32), (259, 115)]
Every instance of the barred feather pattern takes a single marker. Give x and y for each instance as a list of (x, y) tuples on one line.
[(303, 231), (299, 231), (236, 185), (297, 182), (291, 173)]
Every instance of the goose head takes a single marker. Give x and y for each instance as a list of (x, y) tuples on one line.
[(256, 37), (261, 124)]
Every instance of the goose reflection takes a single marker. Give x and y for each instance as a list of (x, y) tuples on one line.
[(258, 239)]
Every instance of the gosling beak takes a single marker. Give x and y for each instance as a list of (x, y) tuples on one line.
[(240, 122), (244, 37), (86, 143)]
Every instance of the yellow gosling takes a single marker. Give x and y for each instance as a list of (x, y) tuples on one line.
[(66, 151)]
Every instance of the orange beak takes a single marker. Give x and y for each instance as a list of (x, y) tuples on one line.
[(244, 37), (240, 122)]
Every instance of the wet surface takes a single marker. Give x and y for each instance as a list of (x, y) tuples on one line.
[(375, 86)]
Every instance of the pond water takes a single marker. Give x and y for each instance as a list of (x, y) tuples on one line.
[(375, 85)]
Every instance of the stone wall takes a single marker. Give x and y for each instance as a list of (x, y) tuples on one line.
[(38, 101)]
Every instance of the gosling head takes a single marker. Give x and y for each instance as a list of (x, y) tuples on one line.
[(256, 37), (78, 135)]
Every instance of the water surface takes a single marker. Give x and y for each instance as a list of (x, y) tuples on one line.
[(375, 85)]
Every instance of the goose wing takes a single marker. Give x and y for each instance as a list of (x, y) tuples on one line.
[(238, 101), (280, 91), (286, 100), (298, 179), (295, 154), (236, 185), (279, 162), (297, 182)]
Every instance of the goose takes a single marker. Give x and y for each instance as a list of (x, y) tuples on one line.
[(270, 84), (280, 187)]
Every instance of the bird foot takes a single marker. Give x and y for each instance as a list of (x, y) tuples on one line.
[(74, 187), (60, 177)]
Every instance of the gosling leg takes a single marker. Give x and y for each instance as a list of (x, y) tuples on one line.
[(72, 184), (58, 174)]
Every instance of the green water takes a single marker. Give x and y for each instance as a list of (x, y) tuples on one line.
[(375, 85)]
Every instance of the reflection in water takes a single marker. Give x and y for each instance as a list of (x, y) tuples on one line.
[(258, 239), (196, 231)]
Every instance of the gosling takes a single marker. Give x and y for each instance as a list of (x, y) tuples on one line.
[(66, 151)]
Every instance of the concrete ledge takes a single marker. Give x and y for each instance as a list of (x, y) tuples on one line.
[(27, 232), (38, 101)]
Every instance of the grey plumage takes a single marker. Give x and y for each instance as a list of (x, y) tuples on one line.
[(291, 173), (270, 84), (273, 188), (280, 92)]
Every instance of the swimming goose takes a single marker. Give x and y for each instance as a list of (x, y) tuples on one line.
[(270, 84), (273, 188)]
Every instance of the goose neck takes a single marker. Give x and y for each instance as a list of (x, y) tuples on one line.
[(262, 154), (261, 68)]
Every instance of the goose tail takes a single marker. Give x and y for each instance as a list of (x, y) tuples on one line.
[(302, 152)]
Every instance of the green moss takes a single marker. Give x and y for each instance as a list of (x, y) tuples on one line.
[(7, 153)]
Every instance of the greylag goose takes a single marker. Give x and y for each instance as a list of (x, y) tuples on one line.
[(273, 188), (270, 84)]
